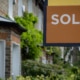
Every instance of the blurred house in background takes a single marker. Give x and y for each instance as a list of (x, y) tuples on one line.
[(13, 8)]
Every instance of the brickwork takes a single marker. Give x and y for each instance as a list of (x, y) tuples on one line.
[(15, 37), (3, 7), (5, 35), (8, 61), (9, 36)]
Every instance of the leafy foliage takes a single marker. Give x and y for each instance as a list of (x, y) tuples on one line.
[(75, 53), (41, 71), (67, 50), (51, 49), (32, 37), (56, 52), (34, 68)]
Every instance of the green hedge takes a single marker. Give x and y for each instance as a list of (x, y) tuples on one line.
[(51, 77), (49, 72), (34, 68), (37, 71)]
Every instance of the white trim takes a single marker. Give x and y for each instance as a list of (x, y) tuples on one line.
[(30, 6), (20, 8), (71, 60), (23, 8), (62, 52), (79, 48), (14, 43), (4, 42), (40, 20), (10, 9)]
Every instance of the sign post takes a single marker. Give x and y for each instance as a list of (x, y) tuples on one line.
[(62, 23)]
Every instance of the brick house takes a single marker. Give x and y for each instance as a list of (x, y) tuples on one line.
[(10, 37), (10, 33), (17, 7), (10, 59)]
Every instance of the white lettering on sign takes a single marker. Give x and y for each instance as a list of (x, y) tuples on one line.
[(62, 19), (73, 20), (56, 20)]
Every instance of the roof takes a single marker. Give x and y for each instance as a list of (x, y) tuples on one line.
[(6, 21)]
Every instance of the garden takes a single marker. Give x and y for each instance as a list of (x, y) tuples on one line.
[(32, 68)]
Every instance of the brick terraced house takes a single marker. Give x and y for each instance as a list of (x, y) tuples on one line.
[(10, 58), (13, 8), (10, 34)]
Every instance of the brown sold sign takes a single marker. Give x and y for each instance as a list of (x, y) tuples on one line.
[(62, 24)]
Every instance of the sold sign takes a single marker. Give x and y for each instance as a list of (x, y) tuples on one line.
[(55, 18), (62, 23)]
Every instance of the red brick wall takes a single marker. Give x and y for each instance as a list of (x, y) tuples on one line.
[(3, 35), (15, 38), (8, 35)]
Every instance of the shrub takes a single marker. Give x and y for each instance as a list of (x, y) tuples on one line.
[(39, 71), (0, 79), (34, 68)]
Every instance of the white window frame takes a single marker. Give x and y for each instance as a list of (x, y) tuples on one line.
[(40, 21), (30, 6), (10, 9), (14, 43), (4, 55), (20, 13), (23, 8)]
